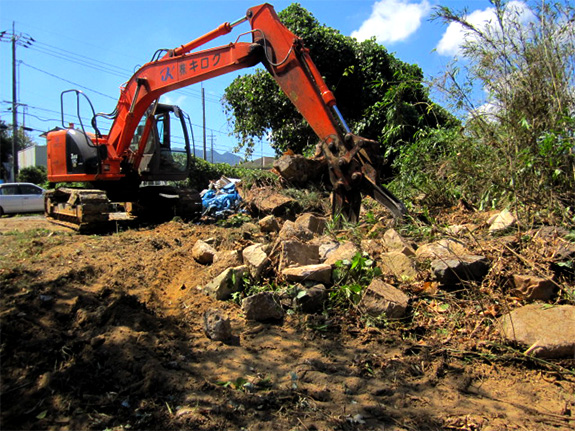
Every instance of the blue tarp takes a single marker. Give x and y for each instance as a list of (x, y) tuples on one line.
[(222, 202)]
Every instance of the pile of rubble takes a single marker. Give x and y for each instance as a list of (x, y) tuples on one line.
[(303, 254)]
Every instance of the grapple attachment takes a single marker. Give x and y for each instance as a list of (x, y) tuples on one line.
[(353, 171)]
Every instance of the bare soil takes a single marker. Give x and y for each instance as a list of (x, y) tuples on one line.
[(106, 333)]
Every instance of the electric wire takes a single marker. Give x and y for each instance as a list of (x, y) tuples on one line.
[(67, 80), (105, 67)]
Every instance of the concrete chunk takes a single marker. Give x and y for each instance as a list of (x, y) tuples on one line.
[(382, 298), (547, 331), (226, 283), (203, 253), (320, 273)]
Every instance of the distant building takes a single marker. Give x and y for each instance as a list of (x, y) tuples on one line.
[(33, 156)]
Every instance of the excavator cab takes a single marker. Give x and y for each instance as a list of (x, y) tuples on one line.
[(161, 144)]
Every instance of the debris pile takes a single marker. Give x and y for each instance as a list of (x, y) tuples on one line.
[(221, 198)]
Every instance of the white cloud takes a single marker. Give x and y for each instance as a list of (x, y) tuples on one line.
[(171, 101), (455, 35), (392, 20)]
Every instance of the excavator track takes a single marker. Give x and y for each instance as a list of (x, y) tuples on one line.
[(80, 209), (90, 210)]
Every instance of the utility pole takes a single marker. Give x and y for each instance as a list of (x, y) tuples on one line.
[(14, 109), (204, 121), (24, 40)]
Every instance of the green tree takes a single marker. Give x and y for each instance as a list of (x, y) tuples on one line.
[(33, 174), (381, 97)]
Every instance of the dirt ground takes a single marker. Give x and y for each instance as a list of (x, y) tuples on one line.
[(106, 333)]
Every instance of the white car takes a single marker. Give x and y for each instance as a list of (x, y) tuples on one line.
[(21, 198)]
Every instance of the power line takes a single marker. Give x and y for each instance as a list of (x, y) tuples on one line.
[(104, 67), (66, 80)]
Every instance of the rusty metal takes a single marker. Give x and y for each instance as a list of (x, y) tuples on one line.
[(352, 173)]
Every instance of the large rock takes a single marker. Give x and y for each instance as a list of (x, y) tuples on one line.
[(217, 326), (312, 222), (299, 170), (326, 246), (226, 283), (547, 331), (382, 298), (266, 200), (203, 253), (269, 224), (398, 264), (393, 241), (345, 251), (262, 307), (290, 230), (531, 288), (228, 258), (452, 271), (256, 258), (320, 273), (296, 253), (444, 248), (502, 221)]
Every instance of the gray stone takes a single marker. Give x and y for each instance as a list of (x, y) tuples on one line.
[(531, 288), (256, 258), (398, 264), (345, 251), (312, 222), (203, 253), (296, 253), (312, 299), (269, 224), (501, 222), (217, 326), (262, 307), (320, 273), (547, 331), (382, 298), (226, 283), (452, 271), (445, 248)]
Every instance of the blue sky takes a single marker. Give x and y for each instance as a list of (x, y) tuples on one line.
[(95, 46)]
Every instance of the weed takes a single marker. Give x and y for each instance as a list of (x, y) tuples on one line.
[(234, 220), (239, 384), (350, 277)]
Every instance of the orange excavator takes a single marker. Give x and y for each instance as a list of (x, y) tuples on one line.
[(137, 150)]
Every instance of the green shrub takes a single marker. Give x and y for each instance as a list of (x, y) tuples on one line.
[(33, 174), (202, 172)]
